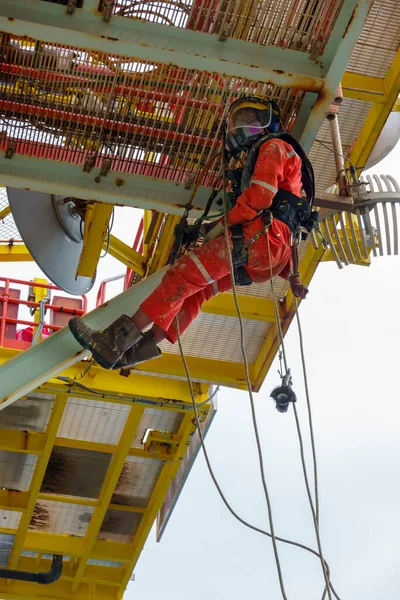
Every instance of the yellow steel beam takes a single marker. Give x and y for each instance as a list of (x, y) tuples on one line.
[(123, 389), (377, 116), (147, 217), (6, 211), (110, 576), (140, 385), (108, 448), (201, 369), (15, 440), (168, 473), (363, 87), (152, 234), (13, 500), (31, 442), (14, 252), (97, 219), (126, 255), (251, 307), (88, 501), (40, 469), (365, 96), (68, 545), (18, 501), (264, 360), (396, 107), (108, 488), (163, 248), (60, 590)]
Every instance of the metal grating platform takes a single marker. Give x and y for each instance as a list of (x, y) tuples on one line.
[(303, 25), (84, 475)]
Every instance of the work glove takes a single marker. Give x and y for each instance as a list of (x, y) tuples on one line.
[(215, 232), (299, 290)]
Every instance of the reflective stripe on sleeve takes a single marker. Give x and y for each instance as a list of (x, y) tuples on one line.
[(264, 184)]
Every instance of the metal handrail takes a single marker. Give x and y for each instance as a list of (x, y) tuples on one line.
[(5, 301)]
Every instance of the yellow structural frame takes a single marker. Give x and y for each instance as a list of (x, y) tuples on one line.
[(97, 218), (122, 252), (381, 109), (110, 482), (79, 578), (40, 469)]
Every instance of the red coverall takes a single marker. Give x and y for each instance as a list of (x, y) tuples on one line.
[(201, 274)]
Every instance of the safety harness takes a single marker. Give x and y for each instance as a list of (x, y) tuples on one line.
[(292, 210)]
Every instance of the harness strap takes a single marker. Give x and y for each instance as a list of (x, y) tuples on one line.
[(267, 218)]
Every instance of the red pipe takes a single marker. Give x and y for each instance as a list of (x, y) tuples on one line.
[(5, 299), (54, 307), (31, 323), (49, 286), (142, 94), (100, 294), (62, 115), (138, 236)]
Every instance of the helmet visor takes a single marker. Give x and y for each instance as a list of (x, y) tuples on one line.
[(251, 119), (245, 118)]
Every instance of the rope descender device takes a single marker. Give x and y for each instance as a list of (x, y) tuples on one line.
[(283, 395)]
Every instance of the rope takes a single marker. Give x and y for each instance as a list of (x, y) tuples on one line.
[(314, 510), (272, 535), (310, 422), (214, 479), (252, 405), (39, 329)]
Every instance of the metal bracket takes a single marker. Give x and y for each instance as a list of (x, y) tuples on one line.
[(224, 31), (104, 170), (317, 50), (107, 10), (190, 177), (89, 163), (71, 6), (10, 149), (162, 444)]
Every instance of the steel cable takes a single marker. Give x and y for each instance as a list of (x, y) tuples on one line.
[(314, 510), (214, 479), (272, 535)]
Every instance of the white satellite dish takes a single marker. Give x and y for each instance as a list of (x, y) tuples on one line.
[(386, 141), (51, 231)]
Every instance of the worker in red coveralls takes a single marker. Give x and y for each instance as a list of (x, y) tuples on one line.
[(272, 178)]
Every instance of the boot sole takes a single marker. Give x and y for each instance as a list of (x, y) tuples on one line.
[(130, 365), (98, 358)]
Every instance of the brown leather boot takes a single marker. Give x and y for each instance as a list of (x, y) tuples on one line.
[(108, 345), (145, 349)]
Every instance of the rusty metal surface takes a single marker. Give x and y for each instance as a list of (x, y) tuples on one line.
[(149, 119), (300, 25)]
